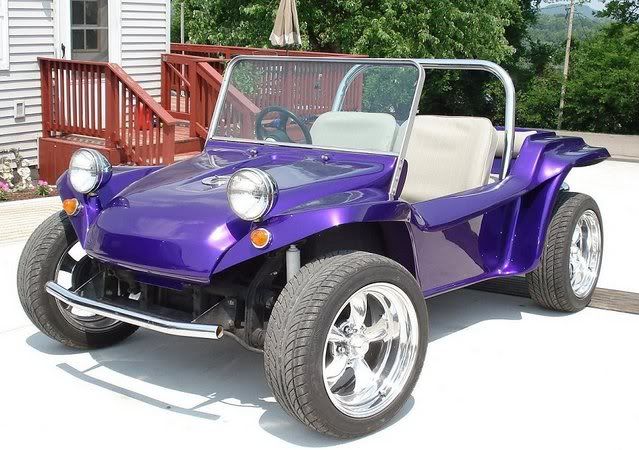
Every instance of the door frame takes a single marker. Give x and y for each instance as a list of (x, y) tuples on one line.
[(62, 29)]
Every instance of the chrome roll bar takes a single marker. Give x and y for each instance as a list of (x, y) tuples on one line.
[(360, 65), (509, 87), (455, 64), (340, 95)]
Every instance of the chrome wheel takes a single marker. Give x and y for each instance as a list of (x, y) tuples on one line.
[(370, 350), (75, 268), (585, 254)]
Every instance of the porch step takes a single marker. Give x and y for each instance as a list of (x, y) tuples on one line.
[(55, 153)]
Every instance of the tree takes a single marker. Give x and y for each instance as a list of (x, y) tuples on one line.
[(623, 11), (175, 20), (384, 28), (603, 90), (481, 29), (537, 104)]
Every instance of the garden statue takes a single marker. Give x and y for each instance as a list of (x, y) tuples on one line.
[(24, 172), (6, 172)]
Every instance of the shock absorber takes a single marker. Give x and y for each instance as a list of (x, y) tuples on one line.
[(293, 264)]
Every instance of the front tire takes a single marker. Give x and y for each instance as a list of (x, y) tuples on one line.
[(566, 278), (346, 342), (50, 253)]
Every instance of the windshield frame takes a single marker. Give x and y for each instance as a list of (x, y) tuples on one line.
[(355, 61), (422, 65)]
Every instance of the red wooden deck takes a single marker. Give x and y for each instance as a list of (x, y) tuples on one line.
[(55, 152), (98, 105)]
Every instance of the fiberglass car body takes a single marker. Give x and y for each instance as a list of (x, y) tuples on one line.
[(320, 214)]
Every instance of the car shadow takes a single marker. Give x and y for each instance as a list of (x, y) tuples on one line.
[(455, 311), (222, 371)]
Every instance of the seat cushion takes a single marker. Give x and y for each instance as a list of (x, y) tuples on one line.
[(520, 137), (355, 130), (447, 155)]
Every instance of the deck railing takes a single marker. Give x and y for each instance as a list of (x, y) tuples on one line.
[(190, 89), (229, 52), (178, 73), (100, 100), (208, 82), (239, 112), (97, 104)]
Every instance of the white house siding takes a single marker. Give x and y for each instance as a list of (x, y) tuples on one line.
[(31, 34), (145, 28)]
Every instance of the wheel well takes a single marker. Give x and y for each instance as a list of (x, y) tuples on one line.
[(390, 239), (253, 286)]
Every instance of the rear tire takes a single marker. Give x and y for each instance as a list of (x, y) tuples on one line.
[(563, 282), (39, 264), (296, 352)]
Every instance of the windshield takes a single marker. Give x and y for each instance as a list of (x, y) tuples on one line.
[(315, 102)]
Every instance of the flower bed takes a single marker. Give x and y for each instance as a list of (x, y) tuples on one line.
[(27, 194), (17, 184)]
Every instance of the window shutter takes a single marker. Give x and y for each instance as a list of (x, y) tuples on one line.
[(4, 35)]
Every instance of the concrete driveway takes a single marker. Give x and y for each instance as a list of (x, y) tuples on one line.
[(500, 372)]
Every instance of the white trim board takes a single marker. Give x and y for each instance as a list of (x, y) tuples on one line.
[(115, 35), (62, 28), (169, 24), (4, 34)]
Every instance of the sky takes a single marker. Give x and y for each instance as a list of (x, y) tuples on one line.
[(594, 4)]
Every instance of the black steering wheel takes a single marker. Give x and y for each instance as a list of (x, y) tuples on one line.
[(276, 130)]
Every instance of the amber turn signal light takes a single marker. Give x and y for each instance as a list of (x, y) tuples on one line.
[(260, 237), (71, 206)]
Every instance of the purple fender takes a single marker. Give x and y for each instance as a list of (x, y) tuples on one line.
[(166, 222), (514, 216), (498, 229), (122, 177)]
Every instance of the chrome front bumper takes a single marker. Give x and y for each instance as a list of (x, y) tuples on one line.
[(137, 318)]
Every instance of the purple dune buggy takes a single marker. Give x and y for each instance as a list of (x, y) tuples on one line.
[(321, 213)]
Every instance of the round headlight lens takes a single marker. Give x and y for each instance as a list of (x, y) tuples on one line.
[(88, 170), (251, 193)]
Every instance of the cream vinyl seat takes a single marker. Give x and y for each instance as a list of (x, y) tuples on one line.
[(355, 130), (447, 155), (520, 138)]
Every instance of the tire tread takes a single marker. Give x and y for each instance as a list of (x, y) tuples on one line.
[(33, 266), (292, 324), (546, 284)]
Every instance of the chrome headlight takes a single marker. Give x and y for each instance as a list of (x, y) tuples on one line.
[(88, 170), (251, 193)]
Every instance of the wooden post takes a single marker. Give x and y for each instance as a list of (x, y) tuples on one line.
[(45, 84), (564, 81), (182, 22), (111, 108), (287, 85), (165, 85), (168, 144), (195, 97)]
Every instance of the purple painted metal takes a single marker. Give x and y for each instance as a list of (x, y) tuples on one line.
[(166, 223), (171, 224)]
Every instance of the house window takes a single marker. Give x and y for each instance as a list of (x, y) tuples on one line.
[(89, 30)]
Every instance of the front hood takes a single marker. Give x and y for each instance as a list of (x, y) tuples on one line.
[(170, 223)]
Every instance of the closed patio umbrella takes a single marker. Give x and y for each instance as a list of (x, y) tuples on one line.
[(286, 30)]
